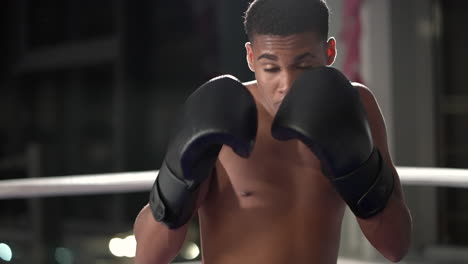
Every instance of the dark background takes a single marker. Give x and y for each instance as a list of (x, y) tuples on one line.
[(92, 87)]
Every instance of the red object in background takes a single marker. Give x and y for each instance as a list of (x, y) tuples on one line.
[(351, 34)]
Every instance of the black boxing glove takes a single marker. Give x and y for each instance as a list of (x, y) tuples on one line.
[(323, 110), (222, 111)]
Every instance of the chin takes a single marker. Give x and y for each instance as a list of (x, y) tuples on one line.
[(276, 106), (274, 110)]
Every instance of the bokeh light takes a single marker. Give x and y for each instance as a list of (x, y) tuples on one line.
[(123, 247), (190, 251), (5, 252)]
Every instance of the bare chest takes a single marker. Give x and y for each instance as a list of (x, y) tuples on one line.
[(277, 173), (278, 194)]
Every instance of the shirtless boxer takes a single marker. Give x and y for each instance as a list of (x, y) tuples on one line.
[(270, 178)]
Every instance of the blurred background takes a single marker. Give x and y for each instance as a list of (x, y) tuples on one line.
[(92, 87)]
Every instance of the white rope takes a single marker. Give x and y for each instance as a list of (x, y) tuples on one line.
[(142, 181), (437, 177), (78, 185)]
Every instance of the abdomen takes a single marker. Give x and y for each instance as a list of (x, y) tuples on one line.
[(263, 210)]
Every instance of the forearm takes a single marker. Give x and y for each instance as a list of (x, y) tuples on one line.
[(156, 243), (390, 231)]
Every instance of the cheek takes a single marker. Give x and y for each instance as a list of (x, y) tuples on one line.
[(266, 94), (266, 84), (267, 79)]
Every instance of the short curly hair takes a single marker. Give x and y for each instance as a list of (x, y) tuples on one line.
[(286, 17)]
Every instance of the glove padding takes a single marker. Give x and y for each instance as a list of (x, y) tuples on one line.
[(222, 111), (323, 110)]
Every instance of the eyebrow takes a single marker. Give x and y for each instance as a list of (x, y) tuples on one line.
[(304, 56), (272, 57), (268, 56)]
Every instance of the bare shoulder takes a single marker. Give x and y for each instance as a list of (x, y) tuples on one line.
[(368, 99), (375, 117), (366, 94)]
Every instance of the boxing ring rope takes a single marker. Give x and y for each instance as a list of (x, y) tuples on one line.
[(126, 182), (142, 181)]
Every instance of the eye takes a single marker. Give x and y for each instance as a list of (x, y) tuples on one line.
[(304, 66), (272, 70)]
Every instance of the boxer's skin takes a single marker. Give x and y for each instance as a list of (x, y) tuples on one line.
[(276, 206)]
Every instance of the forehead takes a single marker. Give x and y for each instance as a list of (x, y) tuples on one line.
[(292, 43)]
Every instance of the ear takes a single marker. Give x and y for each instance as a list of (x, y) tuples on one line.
[(331, 51), (249, 55)]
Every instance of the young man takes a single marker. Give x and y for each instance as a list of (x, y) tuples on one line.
[(271, 165)]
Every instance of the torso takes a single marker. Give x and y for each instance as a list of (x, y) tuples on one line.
[(274, 207)]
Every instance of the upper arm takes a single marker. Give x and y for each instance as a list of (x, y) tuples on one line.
[(156, 243), (376, 120), (389, 231), (377, 127)]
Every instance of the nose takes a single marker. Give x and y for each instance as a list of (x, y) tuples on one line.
[(286, 82)]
